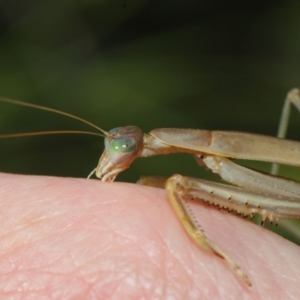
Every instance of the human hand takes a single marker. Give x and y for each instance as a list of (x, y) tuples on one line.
[(66, 238)]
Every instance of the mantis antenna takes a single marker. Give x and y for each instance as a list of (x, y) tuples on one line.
[(17, 102)]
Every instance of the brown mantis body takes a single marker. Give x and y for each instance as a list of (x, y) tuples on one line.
[(254, 192)]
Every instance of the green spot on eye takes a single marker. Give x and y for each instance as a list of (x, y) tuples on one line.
[(120, 149), (123, 144)]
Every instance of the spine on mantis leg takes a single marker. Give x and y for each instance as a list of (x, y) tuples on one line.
[(276, 197)]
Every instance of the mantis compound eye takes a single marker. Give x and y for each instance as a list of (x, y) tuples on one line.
[(121, 149)]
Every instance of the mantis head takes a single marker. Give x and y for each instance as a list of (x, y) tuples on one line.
[(122, 146)]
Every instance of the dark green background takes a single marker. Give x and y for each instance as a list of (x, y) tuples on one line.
[(191, 64)]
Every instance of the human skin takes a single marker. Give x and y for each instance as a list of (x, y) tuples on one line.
[(66, 238)]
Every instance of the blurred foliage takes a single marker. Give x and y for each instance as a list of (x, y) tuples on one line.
[(191, 64)]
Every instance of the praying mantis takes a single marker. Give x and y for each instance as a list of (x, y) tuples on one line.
[(251, 192)]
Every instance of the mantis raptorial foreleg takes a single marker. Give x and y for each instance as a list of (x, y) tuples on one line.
[(271, 197), (177, 188)]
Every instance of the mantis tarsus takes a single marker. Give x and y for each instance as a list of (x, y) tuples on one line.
[(255, 193)]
